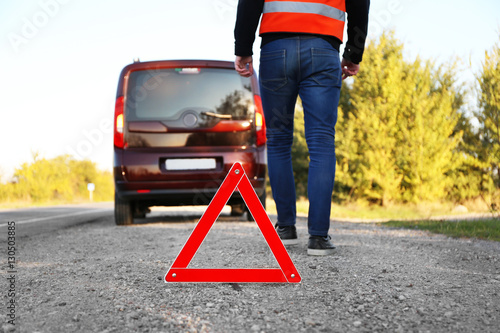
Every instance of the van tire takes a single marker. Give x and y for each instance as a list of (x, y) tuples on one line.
[(123, 211)]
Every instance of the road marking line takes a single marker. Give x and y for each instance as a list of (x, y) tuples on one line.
[(63, 215)]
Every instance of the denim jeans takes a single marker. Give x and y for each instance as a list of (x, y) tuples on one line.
[(309, 67)]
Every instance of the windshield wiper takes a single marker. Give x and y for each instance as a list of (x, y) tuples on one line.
[(217, 115)]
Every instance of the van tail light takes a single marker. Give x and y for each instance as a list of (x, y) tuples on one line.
[(119, 122), (260, 122)]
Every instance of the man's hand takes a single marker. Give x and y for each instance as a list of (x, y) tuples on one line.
[(349, 69), (241, 64)]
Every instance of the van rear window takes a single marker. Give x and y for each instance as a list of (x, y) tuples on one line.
[(168, 94)]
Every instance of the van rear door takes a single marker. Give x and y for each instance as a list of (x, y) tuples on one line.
[(187, 107), (186, 117)]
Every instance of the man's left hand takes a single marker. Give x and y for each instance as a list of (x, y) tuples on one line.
[(244, 66)]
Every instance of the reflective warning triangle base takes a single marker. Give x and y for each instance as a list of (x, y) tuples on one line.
[(236, 179)]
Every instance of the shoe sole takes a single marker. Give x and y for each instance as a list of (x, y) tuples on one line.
[(320, 252), (294, 241)]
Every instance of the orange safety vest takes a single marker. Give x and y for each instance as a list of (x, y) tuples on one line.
[(323, 17)]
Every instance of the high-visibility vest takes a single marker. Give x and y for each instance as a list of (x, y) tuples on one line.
[(323, 17)]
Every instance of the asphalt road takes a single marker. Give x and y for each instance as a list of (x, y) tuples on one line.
[(33, 221), (76, 271)]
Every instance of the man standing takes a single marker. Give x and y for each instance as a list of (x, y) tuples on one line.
[(300, 57)]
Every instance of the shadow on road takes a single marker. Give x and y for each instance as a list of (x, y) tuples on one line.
[(184, 215)]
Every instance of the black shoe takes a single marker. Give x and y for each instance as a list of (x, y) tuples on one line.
[(288, 234), (320, 246)]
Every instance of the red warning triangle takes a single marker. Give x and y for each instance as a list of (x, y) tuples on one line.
[(236, 179)]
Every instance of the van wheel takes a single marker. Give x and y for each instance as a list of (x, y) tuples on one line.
[(123, 211)]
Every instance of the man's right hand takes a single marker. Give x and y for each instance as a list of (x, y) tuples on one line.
[(240, 64)]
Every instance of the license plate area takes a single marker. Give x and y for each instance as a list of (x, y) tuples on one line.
[(190, 164)]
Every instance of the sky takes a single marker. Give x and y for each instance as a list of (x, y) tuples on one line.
[(60, 59)]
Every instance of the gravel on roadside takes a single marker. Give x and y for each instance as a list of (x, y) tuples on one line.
[(98, 277)]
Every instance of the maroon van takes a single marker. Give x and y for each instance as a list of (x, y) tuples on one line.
[(179, 126)]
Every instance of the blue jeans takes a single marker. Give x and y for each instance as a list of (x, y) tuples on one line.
[(309, 67)]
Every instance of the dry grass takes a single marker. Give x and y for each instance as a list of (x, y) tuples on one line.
[(394, 212)]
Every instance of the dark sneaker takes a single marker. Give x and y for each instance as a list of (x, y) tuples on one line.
[(288, 234), (320, 246)]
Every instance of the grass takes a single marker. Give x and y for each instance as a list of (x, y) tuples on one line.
[(418, 215), (28, 204), (488, 229), (361, 210)]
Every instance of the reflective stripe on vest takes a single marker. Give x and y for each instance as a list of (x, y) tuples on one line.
[(324, 17)]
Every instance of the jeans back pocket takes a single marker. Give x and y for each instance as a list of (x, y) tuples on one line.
[(326, 67), (272, 69)]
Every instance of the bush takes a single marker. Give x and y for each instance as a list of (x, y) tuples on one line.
[(58, 179)]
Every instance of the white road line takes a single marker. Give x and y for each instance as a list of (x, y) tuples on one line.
[(62, 215)]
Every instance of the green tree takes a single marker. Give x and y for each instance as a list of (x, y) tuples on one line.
[(44, 179), (427, 140), (489, 113), (300, 153), (61, 178), (395, 137), (470, 179), (367, 131)]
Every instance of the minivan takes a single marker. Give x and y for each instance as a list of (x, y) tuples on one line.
[(179, 126)]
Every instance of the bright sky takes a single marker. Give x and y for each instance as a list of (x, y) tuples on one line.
[(60, 59)]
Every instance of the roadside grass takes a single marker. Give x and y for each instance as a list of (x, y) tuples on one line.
[(363, 211), (417, 216), (28, 204), (488, 229)]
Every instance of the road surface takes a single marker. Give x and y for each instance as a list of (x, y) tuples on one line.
[(76, 271), (32, 221)]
